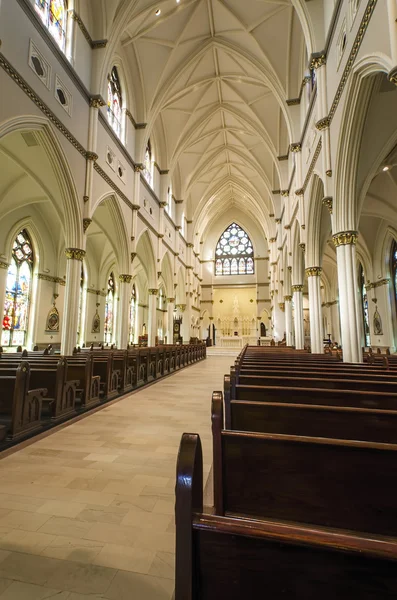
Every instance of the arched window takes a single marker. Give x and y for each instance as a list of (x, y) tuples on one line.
[(168, 208), (147, 173), (234, 253), (132, 314), (109, 310), (18, 290), (115, 102), (81, 302), (53, 13), (364, 302)]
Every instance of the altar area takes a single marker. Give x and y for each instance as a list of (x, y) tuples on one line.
[(238, 328)]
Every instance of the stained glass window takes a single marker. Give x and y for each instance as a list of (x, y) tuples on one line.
[(132, 314), (234, 253), (115, 101), (53, 13), (109, 310), (364, 301), (147, 172), (80, 322), (18, 289)]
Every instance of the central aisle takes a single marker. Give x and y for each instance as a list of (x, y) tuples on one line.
[(88, 512)]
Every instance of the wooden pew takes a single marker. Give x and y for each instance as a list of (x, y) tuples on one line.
[(20, 404), (220, 557)]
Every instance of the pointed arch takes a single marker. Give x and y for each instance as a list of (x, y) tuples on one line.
[(146, 255), (234, 252)]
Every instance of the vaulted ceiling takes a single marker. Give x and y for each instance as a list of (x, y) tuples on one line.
[(211, 79)]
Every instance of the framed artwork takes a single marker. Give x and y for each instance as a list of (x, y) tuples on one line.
[(52, 324)]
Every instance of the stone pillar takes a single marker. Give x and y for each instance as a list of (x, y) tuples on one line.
[(123, 325), (350, 317), (72, 293), (152, 324), (316, 322), (288, 319), (298, 308), (335, 322), (170, 322)]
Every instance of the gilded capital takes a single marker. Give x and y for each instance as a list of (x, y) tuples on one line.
[(345, 238), (125, 278), (323, 124), (296, 147), (153, 291), (171, 300), (163, 204), (133, 255), (74, 254), (97, 102), (271, 240), (281, 306), (299, 192), (139, 168), (91, 156), (297, 288), (287, 298), (285, 193), (317, 60), (313, 271), (328, 202), (86, 224)]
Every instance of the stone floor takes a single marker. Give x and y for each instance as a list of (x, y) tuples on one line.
[(87, 512)]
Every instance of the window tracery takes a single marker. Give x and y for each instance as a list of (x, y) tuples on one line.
[(147, 172), (53, 13), (132, 314), (234, 253), (115, 102), (18, 291), (109, 310)]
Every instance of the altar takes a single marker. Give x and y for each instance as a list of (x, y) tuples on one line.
[(236, 341)]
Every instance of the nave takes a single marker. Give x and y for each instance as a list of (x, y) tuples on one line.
[(87, 511)]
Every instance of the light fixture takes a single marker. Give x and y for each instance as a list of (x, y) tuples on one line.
[(158, 12), (386, 168), (178, 1)]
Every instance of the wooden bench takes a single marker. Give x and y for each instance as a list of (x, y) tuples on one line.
[(224, 557), (20, 404)]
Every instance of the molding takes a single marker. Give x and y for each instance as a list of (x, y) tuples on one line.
[(376, 284), (313, 271), (74, 254), (114, 187), (312, 164), (317, 60), (125, 278), (297, 288), (4, 265), (153, 291), (97, 101), (283, 157), (95, 44), (86, 224), (297, 147), (103, 120), (287, 298), (323, 124), (15, 76), (345, 238), (45, 277), (97, 292), (133, 122)]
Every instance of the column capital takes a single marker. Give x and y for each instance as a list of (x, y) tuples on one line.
[(375, 284), (287, 298), (163, 204), (393, 76), (91, 155), (86, 224), (345, 238), (281, 306), (133, 255), (97, 101), (297, 288), (4, 265), (317, 60), (75, 254), (313, 271), (296, 147), (171, 300), (125, 278), (153, 292)]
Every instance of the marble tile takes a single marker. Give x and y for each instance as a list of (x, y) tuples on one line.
[(73, 549), (18, 540), (82, 578), (126, 586), (28, 568), (66, 527), (57, 508), (126, 558), (163, 565), (18, 519), (26, 591)]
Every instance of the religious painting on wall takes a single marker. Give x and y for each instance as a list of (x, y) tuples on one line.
[(96, 323), (378, 329), (52, 324)]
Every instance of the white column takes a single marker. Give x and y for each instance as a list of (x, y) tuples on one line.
[(288, 319), (298, 310), (170, 322), (123, 325), (72, 293), (392, 10), (316, 322), (350, 316), (152, 324)]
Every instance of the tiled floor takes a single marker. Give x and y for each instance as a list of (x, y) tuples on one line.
[(87, 512)]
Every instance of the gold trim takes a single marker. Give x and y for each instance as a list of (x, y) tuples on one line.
[(302, 247), (345, 238), (133, 255), (375, 284), (297, 147), (299, 192), (86, 224), (171, 300), (312, 164), (328, 202), (97, 101), (153, 291), (95, 44), (96, 292), (91, 155), (297, 288), (118, 191), (313, 271), (134, 123), (45, 277), (287, 298), (125, 278), (4, 265), (317, 60), (284, 193), (323, 124), (393, 76), (75, 254), (281, 306)]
